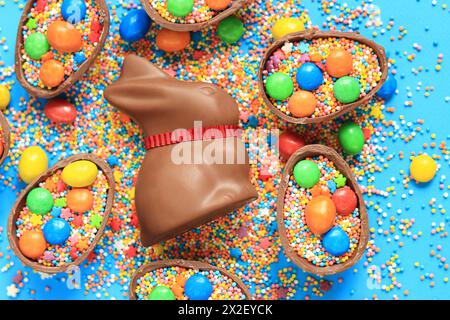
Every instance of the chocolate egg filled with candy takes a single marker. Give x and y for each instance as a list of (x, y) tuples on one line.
[(323, 227), (53, 226)]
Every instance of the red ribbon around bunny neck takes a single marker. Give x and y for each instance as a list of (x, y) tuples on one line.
[(193, 134)]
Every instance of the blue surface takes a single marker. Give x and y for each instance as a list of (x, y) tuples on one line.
[(427, 26)]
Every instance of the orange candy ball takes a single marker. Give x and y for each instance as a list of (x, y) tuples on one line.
[(52, 73), (32, 244), (64, 37), (302, 104), (320, 214), (80, 200), (339, 63), (171, 41), (218, 4)]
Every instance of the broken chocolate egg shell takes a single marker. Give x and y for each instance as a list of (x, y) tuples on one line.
[(21, 202), (46, 93), (188, 264), (311, 34), (341, 165)]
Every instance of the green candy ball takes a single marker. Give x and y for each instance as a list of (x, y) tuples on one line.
[(36, 45), (347, 89), (230, 29), (351, 138), (306, 173), (161, 293), (279, 86), (180, 8), (40, 201)]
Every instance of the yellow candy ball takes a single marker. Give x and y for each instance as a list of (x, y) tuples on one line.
[(286, 26), (423, 168), (5, 97), (33, 162), (80, 173)]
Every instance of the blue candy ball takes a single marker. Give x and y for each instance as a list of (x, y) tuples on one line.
[(387, 90), (56, 231), (134, 26), (309, 76), (336, 241), (198, 287), (73, 11)]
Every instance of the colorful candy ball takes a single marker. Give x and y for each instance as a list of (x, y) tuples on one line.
[(345, 200), (80, 174), (285, 26), (387, 90), (306, 173), (33, 162), (73, 11), (56, 231), (5, 97), (339, 63), (161, 293), (64, 37), (320, 214), (36, 45), (134, 26), (80, 200), (60, 111), (40, 201), (302, 104), (347, 89), (279, 86), (289, 142), (32, 244), (351, 138), (218, 4), (172, 41), (336, 242), (423, 168), (180, 8), (230, 29), (52, 73), (309, 76), (198, 287)]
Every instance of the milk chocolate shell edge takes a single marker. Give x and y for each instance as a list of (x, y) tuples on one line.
[(311, 34), (188, 264), (66, 84), (6, 133), (156, 17), (21, 202), (343, 167)]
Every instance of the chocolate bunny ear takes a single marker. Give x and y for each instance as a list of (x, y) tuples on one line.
[(135, 67)]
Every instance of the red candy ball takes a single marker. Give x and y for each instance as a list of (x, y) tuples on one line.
[(289, 143), (345, 201), (60, 111)]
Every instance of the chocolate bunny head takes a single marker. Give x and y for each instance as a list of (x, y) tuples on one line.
[(172, 198), (161, 103)]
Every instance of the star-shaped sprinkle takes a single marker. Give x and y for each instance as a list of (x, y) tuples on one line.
[(60, 203), (131, 252), (31, 24), (96, 221), (66, 214), (12, 291), (48, 256), (36, 220), (82, 245), (56, 212), (74, 239), (340, 181), (78, 220), (115, 224)]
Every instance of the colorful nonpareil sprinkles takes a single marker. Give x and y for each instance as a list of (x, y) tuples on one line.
[(63, 219), (307, 244), (290, 59), (178, 279), (59, 37), (189, 11)]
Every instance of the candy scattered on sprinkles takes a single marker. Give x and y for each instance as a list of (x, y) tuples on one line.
[(40, 17), (305, 243), (289, 57), (224, 288), (84, 226)]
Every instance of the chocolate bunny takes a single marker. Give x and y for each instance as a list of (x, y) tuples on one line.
[(173, 197)]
